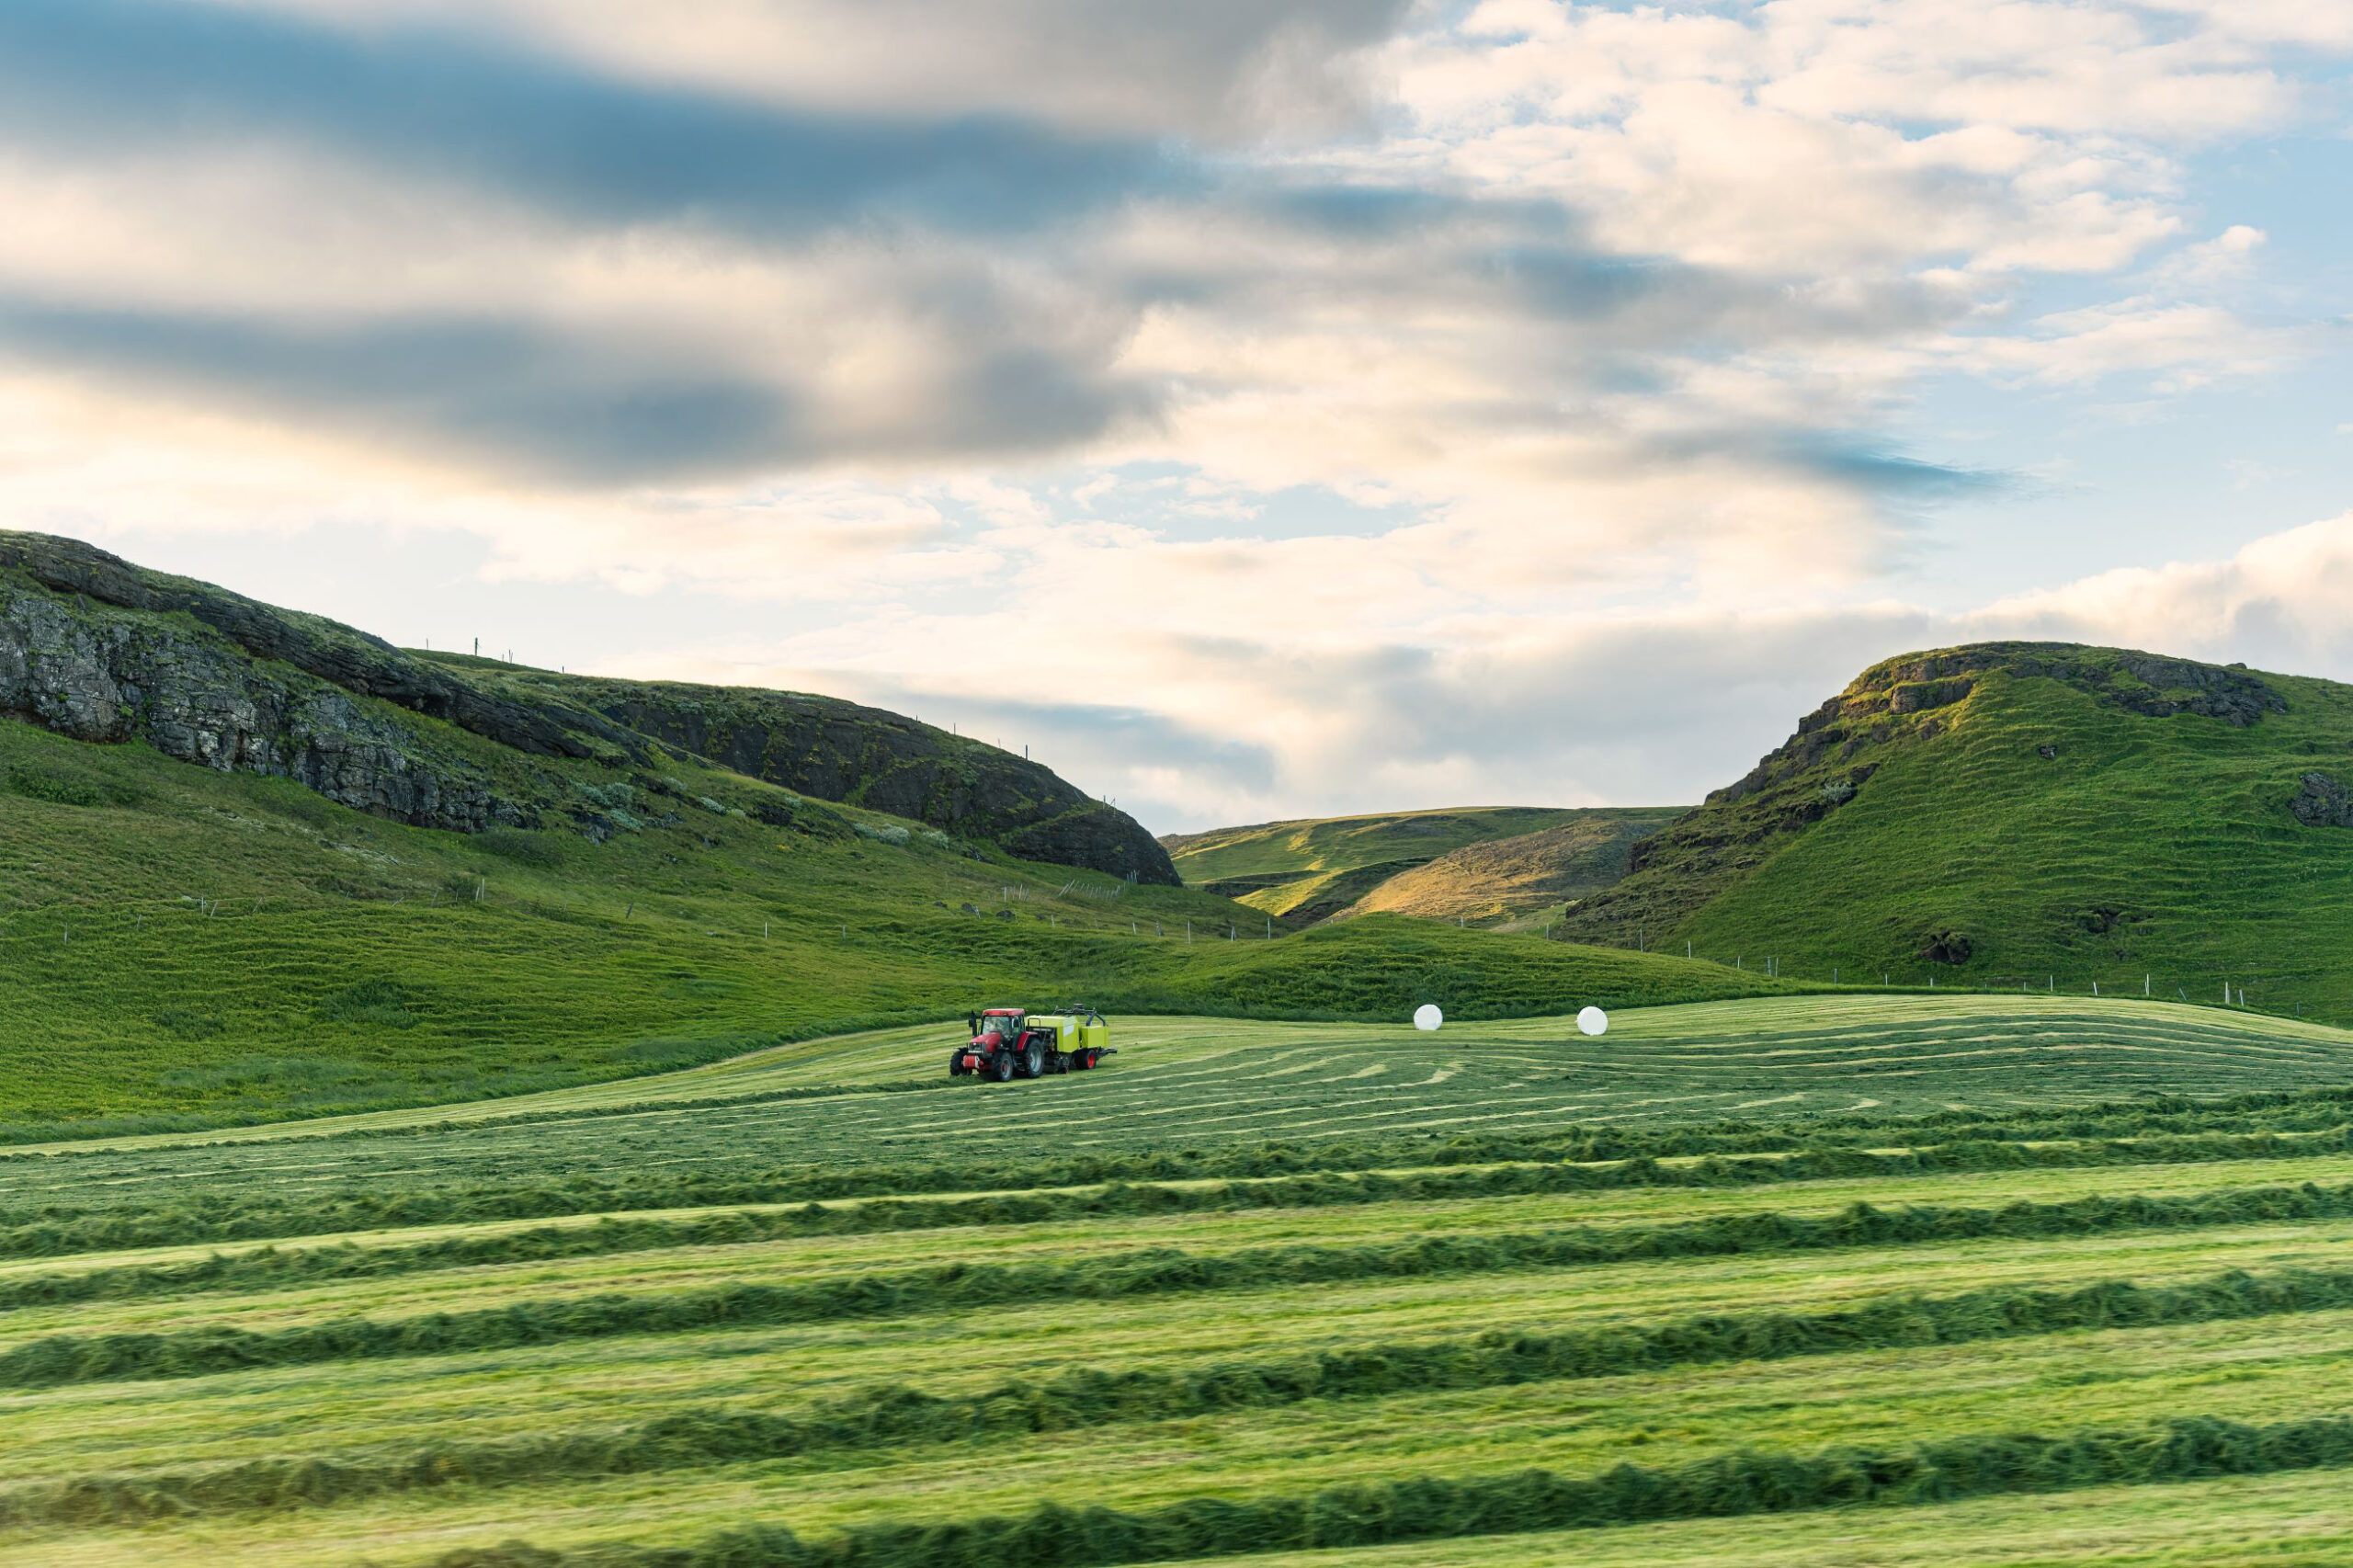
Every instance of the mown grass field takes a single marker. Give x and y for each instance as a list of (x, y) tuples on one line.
[(1819, 1279)]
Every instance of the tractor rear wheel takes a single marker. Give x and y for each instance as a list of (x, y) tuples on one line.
[(1001, 1066), (1033, 1060)]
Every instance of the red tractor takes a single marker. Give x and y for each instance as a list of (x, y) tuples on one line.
[(1007, 1042)]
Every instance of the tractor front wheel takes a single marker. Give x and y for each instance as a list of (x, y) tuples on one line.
[(956, 1066), (1001, 1066)]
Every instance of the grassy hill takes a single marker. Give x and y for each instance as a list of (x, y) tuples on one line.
[(1787, 1279), (1313, 869), (550, 896), (2028, 815), (96, 648)]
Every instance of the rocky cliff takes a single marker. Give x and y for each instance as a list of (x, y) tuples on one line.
[(99, 649)]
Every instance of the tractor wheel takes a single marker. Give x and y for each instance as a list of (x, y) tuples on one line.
[(1000, 1066), (956, 1066), (1033, 1060)]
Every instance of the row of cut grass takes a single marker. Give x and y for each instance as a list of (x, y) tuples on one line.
[(900, 1414), (196, 1352)]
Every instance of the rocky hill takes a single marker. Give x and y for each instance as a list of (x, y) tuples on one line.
[(96, 648), (2027, 813)]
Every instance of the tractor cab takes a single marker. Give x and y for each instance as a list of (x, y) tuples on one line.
[(995, 1026)]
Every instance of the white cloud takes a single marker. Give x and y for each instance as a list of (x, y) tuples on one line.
[(2277, 603), (1213, 68)]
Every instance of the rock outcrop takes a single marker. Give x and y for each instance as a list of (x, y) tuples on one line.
[(339, 655), (2322, 801), (104, 676)]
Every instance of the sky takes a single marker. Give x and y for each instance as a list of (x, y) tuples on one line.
[(1256, 408)]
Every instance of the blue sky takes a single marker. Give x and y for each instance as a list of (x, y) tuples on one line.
[(1257, 409)]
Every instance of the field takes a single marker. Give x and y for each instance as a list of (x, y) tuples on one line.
[(1839, 1278)]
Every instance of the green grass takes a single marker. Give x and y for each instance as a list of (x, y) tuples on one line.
[(2156, 850), (1876, 1262)]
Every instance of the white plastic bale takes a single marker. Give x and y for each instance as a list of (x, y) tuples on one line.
[(1426, 1017), (1593, 1021)]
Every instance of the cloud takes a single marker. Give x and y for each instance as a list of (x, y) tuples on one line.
[(2174, 346), (98, 75), (1211, 70), (586, 409), (2277, 603)]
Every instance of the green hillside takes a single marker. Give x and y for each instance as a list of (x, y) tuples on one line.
[(94, 647), (2015, 815), (1310, 869), (186, 946)]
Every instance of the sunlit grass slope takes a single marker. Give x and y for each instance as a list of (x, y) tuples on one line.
[(1310, 869), (182, 943), (1524, 876)]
